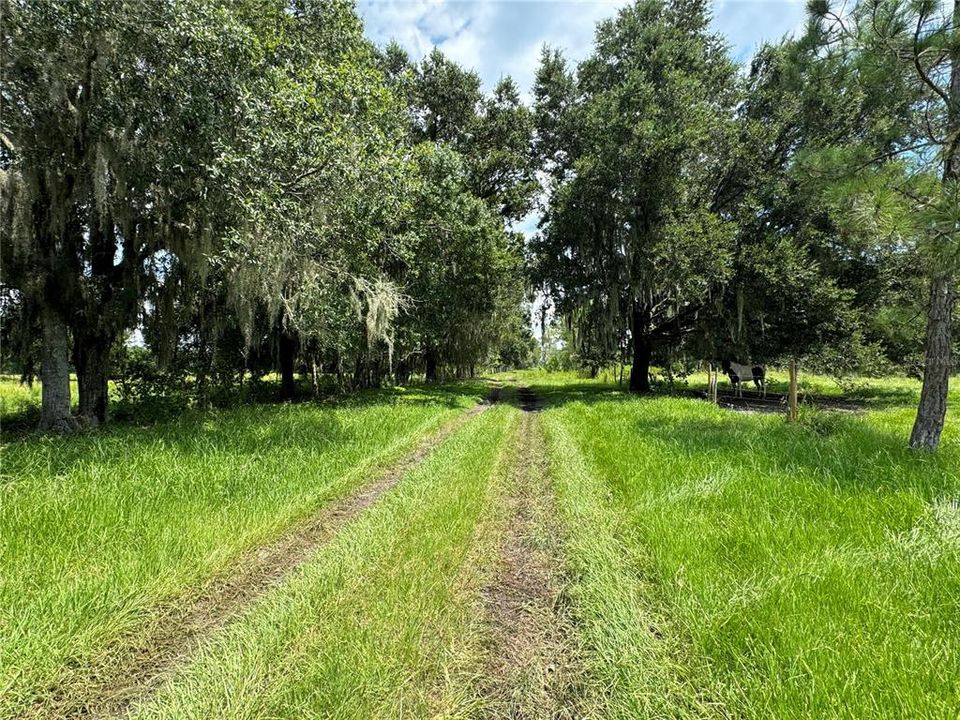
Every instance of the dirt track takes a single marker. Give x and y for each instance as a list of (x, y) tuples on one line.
[(529, 672), (135, 666)]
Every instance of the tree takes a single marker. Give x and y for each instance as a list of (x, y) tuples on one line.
[(473, 174), (797, 279), (501, 165), (914, 47), (631, 240), (465, 280), (445, 101), (114, 115), (321, 181)]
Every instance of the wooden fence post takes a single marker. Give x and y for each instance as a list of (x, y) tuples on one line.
[(792, 398)]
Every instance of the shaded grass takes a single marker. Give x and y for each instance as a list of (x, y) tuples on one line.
[(883, 392), (729, 564), (383, 623), (20, 404), (97, 529)]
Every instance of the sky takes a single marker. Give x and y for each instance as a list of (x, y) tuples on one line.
[(504, 37)]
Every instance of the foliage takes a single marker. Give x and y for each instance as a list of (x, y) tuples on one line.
[(631, 241), (238, 184), (905, 189)]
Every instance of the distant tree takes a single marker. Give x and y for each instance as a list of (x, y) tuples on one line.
[(465, 281), (474, 175), (631, 240), (446, 98), (501, 164), (516, 347)]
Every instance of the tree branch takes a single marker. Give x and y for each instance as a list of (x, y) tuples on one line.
[(924, 77)]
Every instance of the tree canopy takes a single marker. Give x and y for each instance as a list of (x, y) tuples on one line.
[(253, 187)]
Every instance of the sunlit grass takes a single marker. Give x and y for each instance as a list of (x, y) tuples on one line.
[(18, 398), (383, 623), (96, 529), (729, 564)]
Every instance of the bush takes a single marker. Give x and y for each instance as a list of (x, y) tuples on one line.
[(821, 422), (143, 388)]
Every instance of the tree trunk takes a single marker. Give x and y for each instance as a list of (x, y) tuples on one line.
[(403, 373), (640, 370), (28, 373), (55, 390), (932, 410), (314, 376), (286, 351), (92, 360), (359, 372), (431, 364)]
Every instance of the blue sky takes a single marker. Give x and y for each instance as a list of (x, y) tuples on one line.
[(504, 37)]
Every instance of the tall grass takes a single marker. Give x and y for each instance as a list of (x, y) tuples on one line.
[(729, 564), (97, 529), (17, 399), (382, 624)]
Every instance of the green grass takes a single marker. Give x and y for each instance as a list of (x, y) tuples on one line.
[(97, 529), (720, 564), (728, 564), (24, 400), (384, 622)]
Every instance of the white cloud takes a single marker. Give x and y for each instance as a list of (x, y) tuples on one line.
[(496, 38), (504, 37)]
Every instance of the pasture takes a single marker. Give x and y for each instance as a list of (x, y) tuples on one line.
[(574, 552), (361, 367)]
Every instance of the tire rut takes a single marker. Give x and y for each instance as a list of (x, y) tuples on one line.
[(138, 664), (530, 671)]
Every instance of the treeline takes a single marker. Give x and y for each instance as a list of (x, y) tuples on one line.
[(249, 187), (805, 206), (253, 187)]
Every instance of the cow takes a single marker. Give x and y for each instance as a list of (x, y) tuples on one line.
[(739, 373)]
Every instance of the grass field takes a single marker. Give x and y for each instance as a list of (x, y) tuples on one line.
[(383, 624), (97, 530), (728, 564), (711, 563)]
